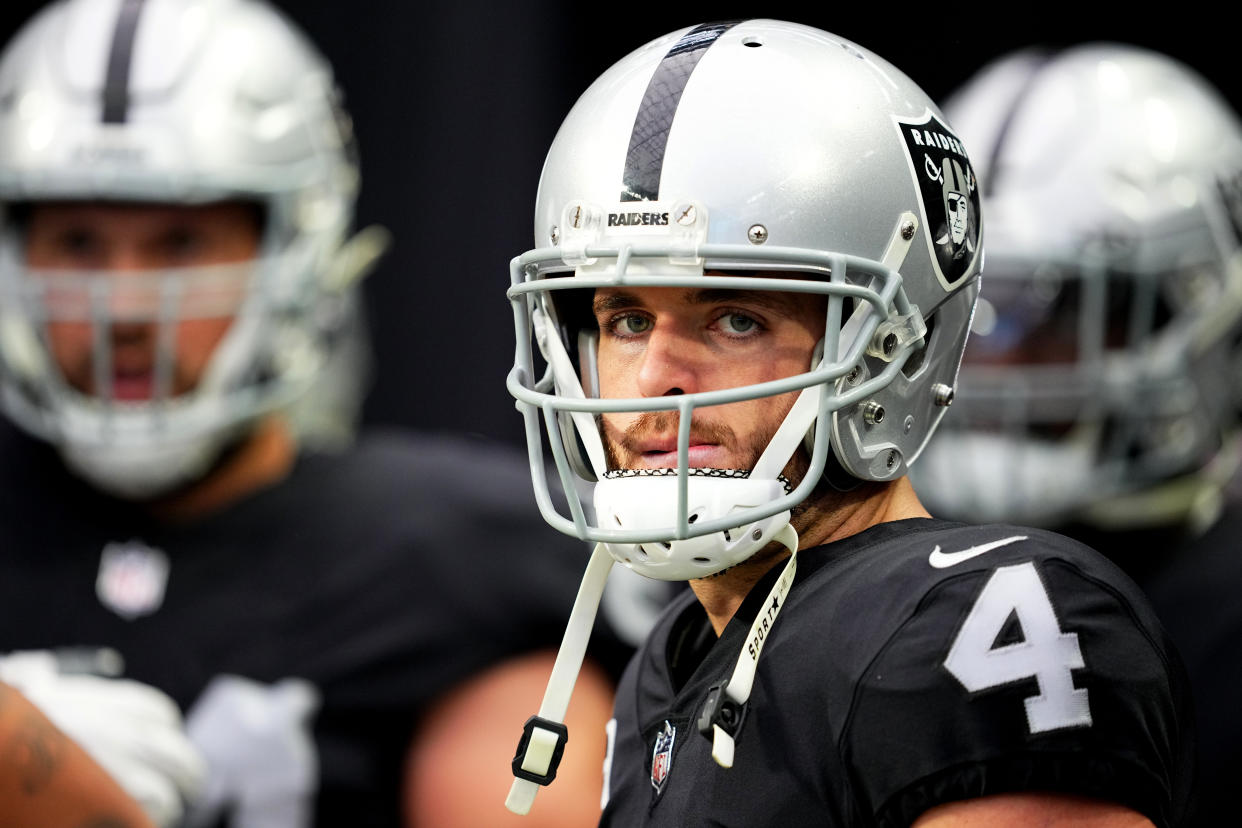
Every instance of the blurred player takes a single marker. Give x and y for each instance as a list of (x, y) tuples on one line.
[(757, 256), (1098, 391), (341, 629)]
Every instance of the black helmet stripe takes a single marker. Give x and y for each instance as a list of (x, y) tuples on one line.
[(645, 159), (116, 82), (1043, 60)]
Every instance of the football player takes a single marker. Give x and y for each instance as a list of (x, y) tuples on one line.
[(1097, 394), (177, 180), (757, 254)]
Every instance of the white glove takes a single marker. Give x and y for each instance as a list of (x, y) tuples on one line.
[(133, 730)]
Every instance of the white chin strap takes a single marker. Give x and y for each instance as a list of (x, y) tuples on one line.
[(545, 735), (723, 714), (647, 500)]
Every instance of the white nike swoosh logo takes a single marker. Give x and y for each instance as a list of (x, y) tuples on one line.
[(941, 560)]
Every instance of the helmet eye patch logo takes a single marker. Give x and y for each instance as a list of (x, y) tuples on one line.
[(948, 195)]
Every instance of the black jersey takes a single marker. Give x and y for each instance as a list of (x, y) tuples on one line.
[(1196, 596), (915, 663), (327, 610)]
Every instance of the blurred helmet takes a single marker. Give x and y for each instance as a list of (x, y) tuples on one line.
[(1100, 360), (758, 155), (182, 102)]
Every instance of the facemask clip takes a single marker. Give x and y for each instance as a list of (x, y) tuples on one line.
[(539, 750), (721, 711)]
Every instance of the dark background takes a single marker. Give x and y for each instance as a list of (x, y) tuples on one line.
[(455, 103)]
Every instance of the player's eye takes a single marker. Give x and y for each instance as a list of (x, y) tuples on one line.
[(78, 243), (737, 323), (180, 244), (630, 325)]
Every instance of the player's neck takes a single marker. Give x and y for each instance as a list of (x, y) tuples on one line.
[(262, 458), (831, 517)]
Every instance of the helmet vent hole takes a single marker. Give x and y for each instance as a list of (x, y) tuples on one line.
[(666, 544), (692, 518), (752, 41), (727, 536), (702, 560)]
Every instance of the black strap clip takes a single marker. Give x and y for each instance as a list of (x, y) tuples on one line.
[(721, 710), (562, 736)]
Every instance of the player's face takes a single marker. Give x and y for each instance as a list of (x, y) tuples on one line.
[(128, 253), (657, 342)]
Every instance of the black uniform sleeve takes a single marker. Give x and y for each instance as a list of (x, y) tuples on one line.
[(1026, 670)]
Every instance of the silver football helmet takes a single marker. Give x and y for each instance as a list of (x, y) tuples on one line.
[(1098, 384), (760, 155), (179, 102)]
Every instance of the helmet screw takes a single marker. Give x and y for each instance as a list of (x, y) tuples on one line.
[(892, 459), (890, 344), (909, 423), (942, 395), (756, 535), (555, 234), (907, 230), (577, 219), (686, 214), (852, 376), (873, 413), (757, 234)]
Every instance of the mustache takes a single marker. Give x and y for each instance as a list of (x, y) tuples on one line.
[(624, 452), (662, 422)]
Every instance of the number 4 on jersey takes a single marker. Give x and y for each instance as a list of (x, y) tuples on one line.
[(1045, 653)]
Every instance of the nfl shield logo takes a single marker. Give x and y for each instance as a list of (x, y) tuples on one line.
[(662, 756), (132, 577)]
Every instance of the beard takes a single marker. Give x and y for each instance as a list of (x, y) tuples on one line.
[(624, 452), (823, 503), (824, 498)]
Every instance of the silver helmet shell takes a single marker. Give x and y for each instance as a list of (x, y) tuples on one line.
[(1101, 360), (725, 155), (182, 102)]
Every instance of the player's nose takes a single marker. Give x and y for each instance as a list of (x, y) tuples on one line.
[(670, 364)]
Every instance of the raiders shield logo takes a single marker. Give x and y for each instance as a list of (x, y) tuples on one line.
[(949, 195), (662, 756)]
